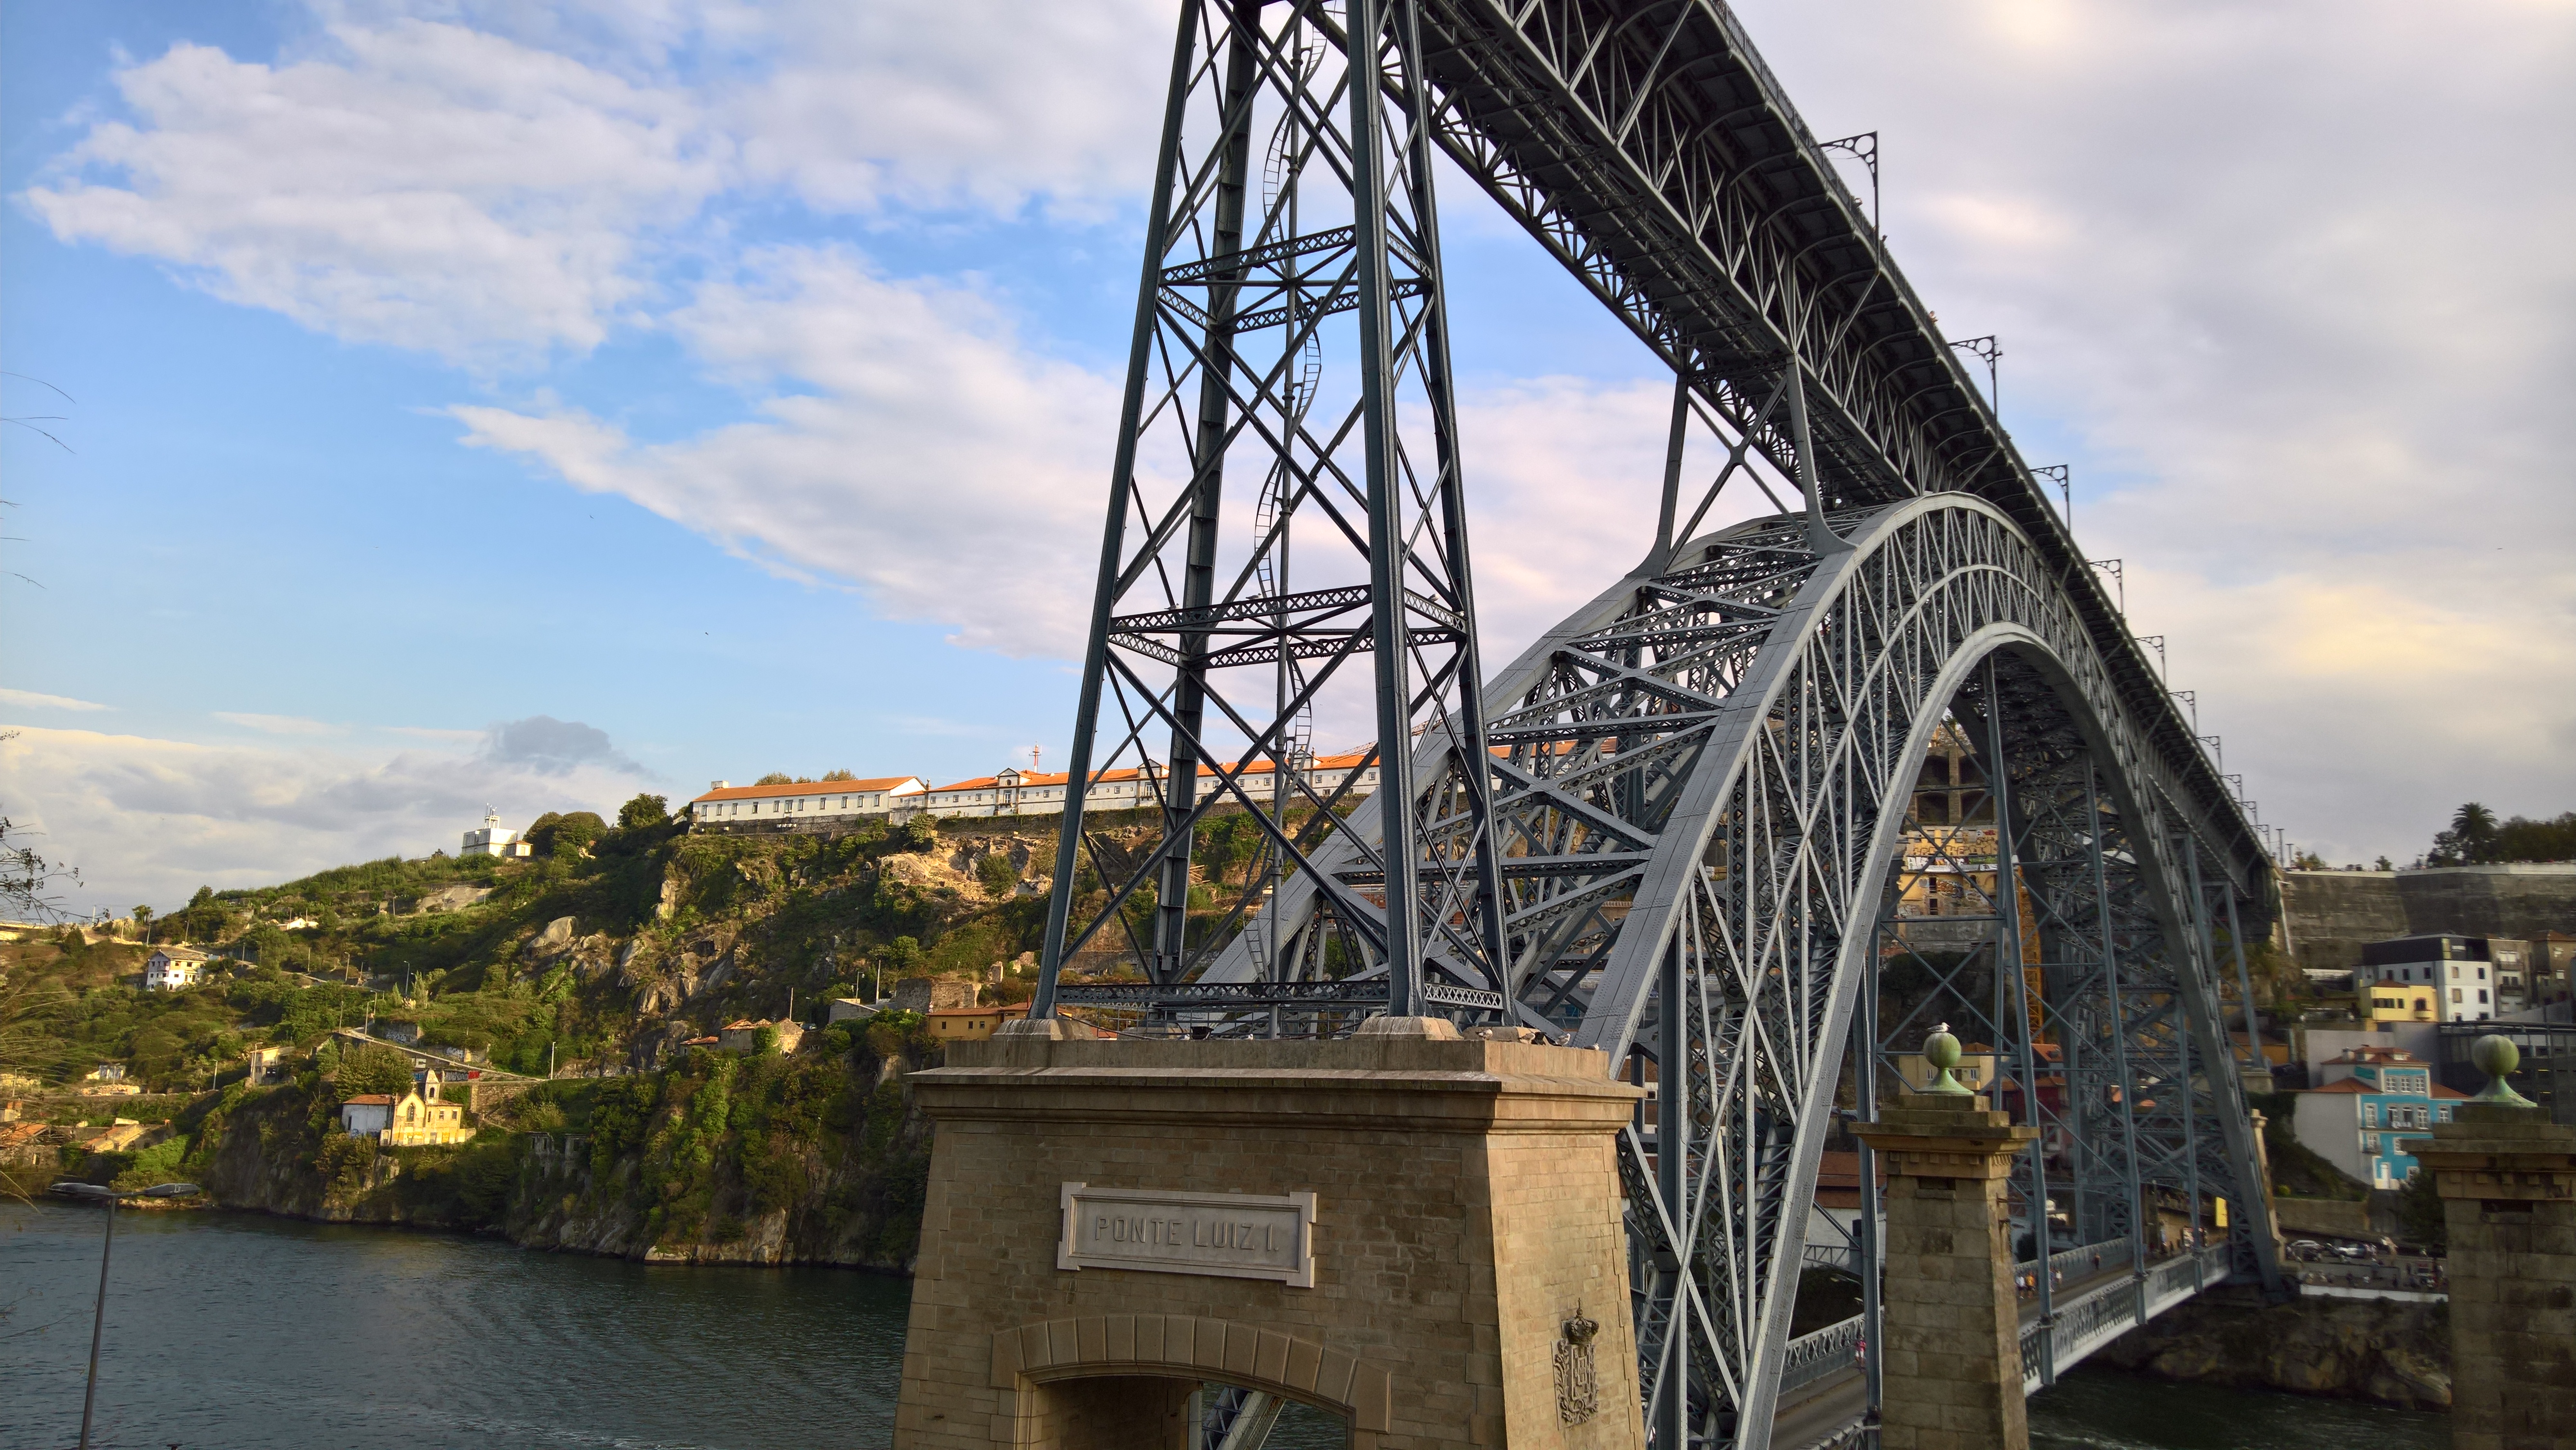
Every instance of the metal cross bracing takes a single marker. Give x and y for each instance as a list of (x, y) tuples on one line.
[(1293, 355), (1671, 830)]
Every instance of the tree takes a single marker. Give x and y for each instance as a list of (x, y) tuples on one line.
[(831, 775), (643, 811), (2471, 839), (143, 922), (373, 1070), (571, 835), (999, 876), (2382, 865), (776, 777)]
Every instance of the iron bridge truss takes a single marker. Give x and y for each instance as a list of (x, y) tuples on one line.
[(1673, 829)]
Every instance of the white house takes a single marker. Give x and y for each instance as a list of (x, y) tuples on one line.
[(367, 1113), (170, 968), (493, 839), (2440, 978), (809, 805)]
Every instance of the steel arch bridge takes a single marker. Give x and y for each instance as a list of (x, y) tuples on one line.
[(1679, 827)]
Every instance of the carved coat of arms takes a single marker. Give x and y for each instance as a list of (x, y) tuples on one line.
[(1578, 1384)]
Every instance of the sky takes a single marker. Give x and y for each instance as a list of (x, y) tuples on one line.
[(421, 405)]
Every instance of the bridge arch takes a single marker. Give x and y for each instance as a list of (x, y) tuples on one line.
[(1702, 783), (1113, 1378)]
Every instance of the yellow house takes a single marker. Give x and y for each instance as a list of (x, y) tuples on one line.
[(2399, 1002), (420, 1118), (973, 1024)]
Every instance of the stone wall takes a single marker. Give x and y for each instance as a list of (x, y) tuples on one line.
[(2330, 914)]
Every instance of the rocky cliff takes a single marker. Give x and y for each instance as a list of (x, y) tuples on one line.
[(2386, 1352), (719, 1158)]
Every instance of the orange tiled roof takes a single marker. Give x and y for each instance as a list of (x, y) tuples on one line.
[(811, 787), (371, 1099), (1059, 777)]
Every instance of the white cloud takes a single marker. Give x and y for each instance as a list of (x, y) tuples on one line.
[(418, 184), (278, 724), (986, 103), (149, 819), (928, 458), (494, 183), (31, 700)]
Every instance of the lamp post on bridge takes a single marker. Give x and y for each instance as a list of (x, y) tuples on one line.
[(99, 1192)]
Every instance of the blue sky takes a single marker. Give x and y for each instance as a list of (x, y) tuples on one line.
[(735, 383)]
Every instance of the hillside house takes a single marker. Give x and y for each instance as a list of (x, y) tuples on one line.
[(2377, 1106), (116, 1137), (423, 1117), (367, 1113), (170, 968), (1040, 793), (493, 839), (744, 1035), (2438, 978), (973, 1024), (821, 805)]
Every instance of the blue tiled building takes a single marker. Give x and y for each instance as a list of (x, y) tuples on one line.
[(2375, 1107)]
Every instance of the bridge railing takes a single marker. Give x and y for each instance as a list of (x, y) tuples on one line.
[(2051, 1346), (1828, 1351)]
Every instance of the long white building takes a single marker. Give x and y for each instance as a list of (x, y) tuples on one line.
[(825, 805), (1036, 793), (806, 805)]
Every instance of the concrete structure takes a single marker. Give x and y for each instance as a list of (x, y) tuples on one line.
[(2507, 1177), (493, 839), (1951, 1370), (926, 995), (170, 968), (2328, 916), (744, 1035), (821, 805), (2374, 1109), (2450, 977), (1419, 1234), (848, 1009)]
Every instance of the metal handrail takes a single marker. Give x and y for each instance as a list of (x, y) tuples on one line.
[(1830, 1350)]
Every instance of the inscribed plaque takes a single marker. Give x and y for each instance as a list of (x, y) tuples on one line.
[(1229, 1235)]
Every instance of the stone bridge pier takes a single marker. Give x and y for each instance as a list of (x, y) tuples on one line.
[(1417, 1233)]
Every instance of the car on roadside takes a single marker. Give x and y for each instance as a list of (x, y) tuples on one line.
[(2305, 1248)]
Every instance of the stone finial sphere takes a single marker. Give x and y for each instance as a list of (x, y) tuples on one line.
[(1941, 1050), (2495, 1055)]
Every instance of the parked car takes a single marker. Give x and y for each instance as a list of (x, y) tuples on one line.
[(2305, 1248)]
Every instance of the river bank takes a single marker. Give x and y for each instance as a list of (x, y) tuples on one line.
[(2377, 1352), (721, 1158)]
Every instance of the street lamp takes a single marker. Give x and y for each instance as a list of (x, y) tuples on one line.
[(98, 1324)]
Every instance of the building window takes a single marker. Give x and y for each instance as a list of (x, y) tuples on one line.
[(2482, 996), (2370, 1115)]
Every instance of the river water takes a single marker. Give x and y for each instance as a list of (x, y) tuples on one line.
[(242, 1332)]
